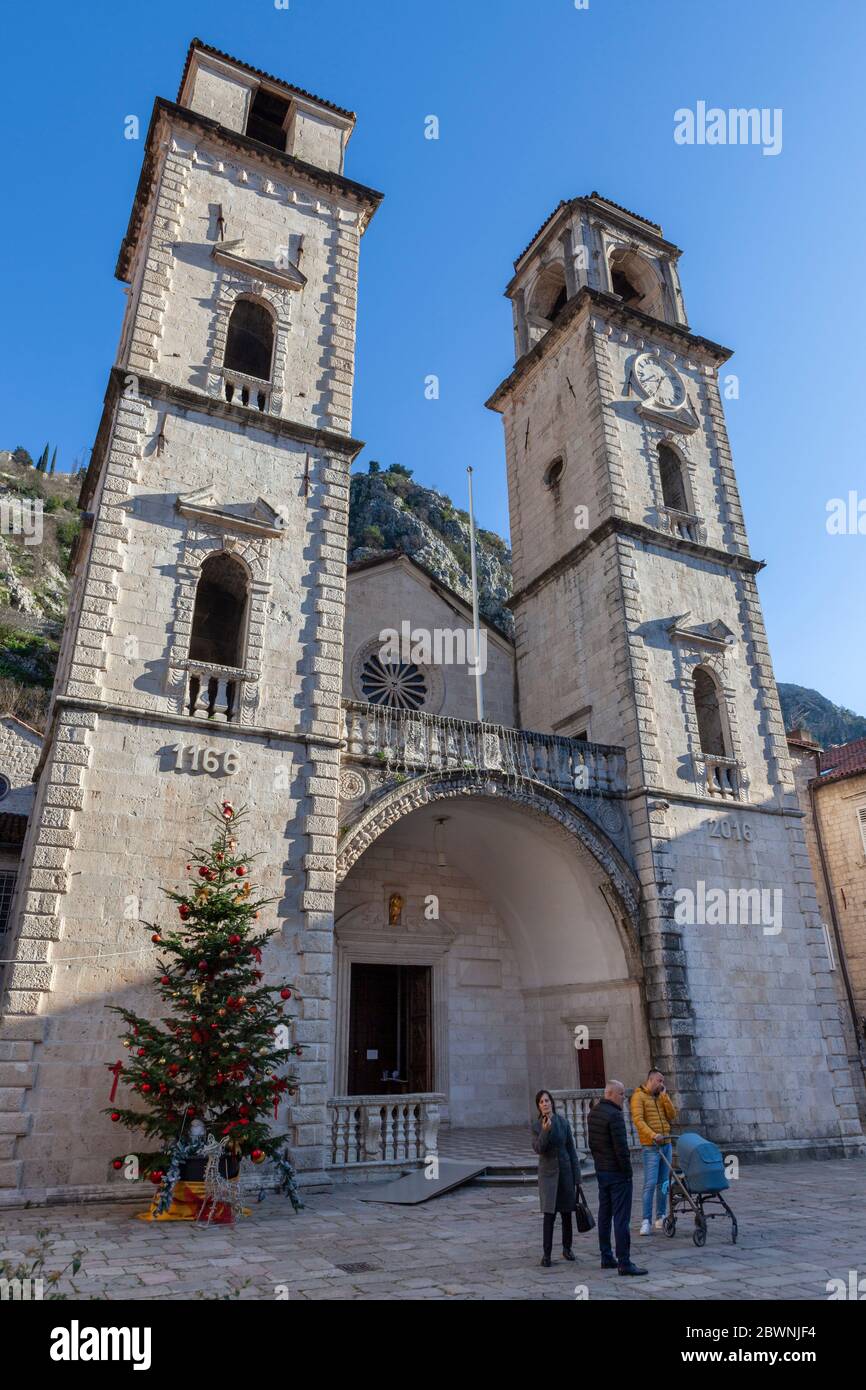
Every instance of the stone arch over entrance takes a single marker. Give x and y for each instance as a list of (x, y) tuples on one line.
[(535, 799), (522, 913)]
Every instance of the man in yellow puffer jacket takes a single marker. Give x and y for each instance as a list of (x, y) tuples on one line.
[(653, 1113)]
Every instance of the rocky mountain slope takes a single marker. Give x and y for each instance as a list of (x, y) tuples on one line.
[(38, 523), (388, 511), (826, 722)]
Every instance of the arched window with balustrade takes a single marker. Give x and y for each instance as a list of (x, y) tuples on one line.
[(674, 490), (708, 708), (250, 340), (218, 637)]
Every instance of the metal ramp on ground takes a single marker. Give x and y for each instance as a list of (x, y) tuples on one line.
[(412, 1188)]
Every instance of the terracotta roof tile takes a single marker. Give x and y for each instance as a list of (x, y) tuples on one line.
[(842, 760)]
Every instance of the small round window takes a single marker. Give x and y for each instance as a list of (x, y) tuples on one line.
[(5, 787), (553, 472), (394, 684)]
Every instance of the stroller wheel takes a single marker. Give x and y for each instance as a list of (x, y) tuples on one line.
[(699, 1235), (670, 1226)]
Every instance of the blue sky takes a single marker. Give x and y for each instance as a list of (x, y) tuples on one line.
[(536, 101)]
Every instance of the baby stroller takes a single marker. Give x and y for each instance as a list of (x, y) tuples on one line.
[(697, 1180)]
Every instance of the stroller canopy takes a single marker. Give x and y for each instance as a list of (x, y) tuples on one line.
[(701, 1163)]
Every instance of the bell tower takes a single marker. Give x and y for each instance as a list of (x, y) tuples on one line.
[(638, 623), (203, 652)]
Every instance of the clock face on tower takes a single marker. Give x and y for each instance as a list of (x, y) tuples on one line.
[(660, 384)]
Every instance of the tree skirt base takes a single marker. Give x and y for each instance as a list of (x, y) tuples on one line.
[(190, 1203)]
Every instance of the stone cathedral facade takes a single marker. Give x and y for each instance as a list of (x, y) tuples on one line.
[(459, 903)]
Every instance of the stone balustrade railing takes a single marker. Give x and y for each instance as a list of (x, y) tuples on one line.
[(683, 524), (723, 776), (576, 1105), (213, 692), (416, 742), (383, 1129), (240, 389)]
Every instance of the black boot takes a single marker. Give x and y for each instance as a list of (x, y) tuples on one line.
[(568, 1254), (632, 1269), (545, 1261)]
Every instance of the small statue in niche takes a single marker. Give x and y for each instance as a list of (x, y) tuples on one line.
[(395, 910)]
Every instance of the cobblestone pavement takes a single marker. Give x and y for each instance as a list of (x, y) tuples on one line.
[(800, 1225)]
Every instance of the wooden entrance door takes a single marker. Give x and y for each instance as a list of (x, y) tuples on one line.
[(390, 1030), (590, 1065)]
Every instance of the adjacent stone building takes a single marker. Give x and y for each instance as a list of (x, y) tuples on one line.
[(831, 784), (20, 748), (470, 909)]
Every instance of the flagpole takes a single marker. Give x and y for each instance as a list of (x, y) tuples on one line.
[(479, 691)]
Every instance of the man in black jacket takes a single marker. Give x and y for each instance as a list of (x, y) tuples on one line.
[(608, 1144)]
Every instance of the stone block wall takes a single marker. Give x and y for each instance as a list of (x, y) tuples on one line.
[(484, 1074), (394, 593)]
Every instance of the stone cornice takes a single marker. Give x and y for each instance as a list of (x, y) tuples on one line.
[(330, 441), (116, 710), (617, 525), (612, 307), (289, 279), (168, 112)]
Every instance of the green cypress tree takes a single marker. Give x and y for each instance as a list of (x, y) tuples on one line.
[(53, 461)]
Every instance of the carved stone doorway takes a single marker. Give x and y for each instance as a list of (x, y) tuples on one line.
[(390, 1029)]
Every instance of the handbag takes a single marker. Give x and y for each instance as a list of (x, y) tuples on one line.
[(584, 1219)]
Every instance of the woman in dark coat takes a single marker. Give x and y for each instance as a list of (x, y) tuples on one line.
[(558, 1172)]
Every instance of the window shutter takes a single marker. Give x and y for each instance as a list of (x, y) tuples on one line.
[(861, 816)]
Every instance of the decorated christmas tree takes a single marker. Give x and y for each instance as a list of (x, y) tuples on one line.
[(213, 1072)]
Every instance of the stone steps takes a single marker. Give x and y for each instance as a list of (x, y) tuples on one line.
[(18, 1038)]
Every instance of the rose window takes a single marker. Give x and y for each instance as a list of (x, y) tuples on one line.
[(394, 684)]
